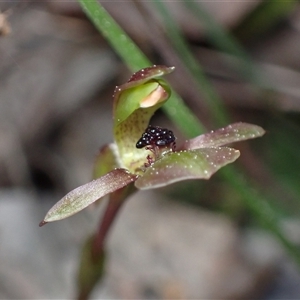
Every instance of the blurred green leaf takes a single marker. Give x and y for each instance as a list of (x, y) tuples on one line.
[(91, 269), (281, 155), (264, 17), (226, 42), (212, 98)]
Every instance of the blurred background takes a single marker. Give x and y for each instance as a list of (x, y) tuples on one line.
[(195, 239)]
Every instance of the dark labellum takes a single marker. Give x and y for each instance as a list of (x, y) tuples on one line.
[(156, 136)]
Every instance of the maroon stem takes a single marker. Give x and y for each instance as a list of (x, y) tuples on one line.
[(114, 204)]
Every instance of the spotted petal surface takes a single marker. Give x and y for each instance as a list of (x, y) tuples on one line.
[(87, 194), (182, 165), (134, 104), (232, 133)]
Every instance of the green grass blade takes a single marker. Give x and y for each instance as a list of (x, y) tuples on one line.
[(115, 35), (225, 42), (135, 59), (262, 209), (212, 98), (264, 17)]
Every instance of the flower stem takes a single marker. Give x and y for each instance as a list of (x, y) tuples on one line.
[(114, 204)]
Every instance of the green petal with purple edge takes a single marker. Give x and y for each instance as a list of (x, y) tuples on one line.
[(83, 196), (183, 165), (134, 104), (137, 79), (232, 133)]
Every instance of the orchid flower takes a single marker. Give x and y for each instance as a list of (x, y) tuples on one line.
[(126, 165)]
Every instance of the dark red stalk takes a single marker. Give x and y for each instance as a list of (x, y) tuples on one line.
[(114, 204)]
